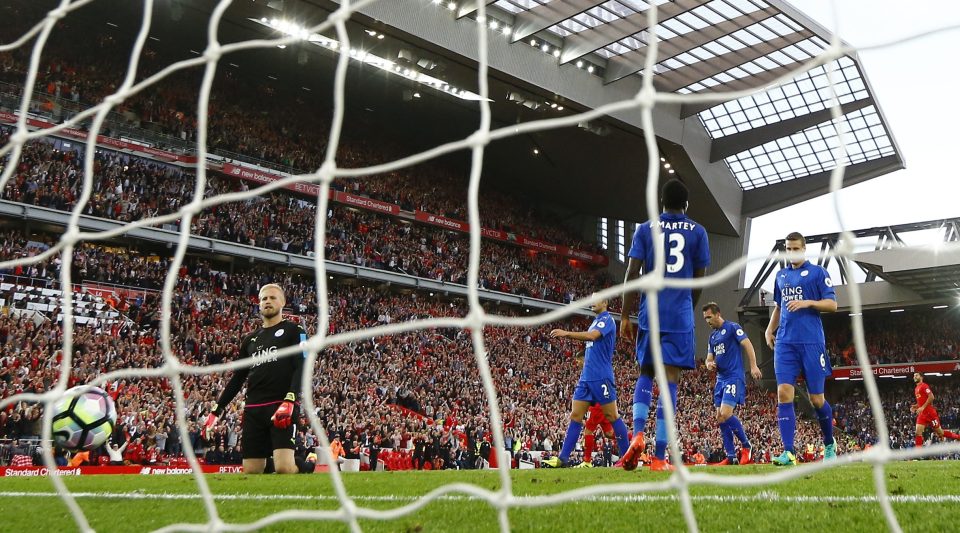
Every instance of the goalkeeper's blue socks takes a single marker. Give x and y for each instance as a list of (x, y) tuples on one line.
[(623, 441), (825, 417), (787, 420), (570, 440), (642, 396), (660, 439)]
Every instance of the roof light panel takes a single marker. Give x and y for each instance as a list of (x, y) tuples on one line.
[(706, 15), (811, 151), (807, 93), (508, 6), (619, 9), (517, 6)]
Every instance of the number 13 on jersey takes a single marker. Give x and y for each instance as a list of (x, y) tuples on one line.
[(674, 245)]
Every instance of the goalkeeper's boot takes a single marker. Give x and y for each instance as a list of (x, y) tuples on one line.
[(584, 464), (555, 462), (787, 458), (746, 456), (830, 451), (726, 462), (661, 465), (631, 458)]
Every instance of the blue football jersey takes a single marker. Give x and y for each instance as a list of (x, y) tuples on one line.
[(598, 356), (807, 282), (725, 347), (686, 248)]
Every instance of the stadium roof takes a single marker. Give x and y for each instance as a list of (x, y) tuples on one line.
[(927, 271), (930, 270), (741, 158), (724, 45), (776, 145)]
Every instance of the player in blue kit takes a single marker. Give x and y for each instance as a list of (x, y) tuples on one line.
[(802, 291), (724, 355), (687, 255), (596, 383)]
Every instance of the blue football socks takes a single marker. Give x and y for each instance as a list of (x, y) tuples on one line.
[(570, 440), (642, 396), (660, 439), (620, 431), (825, 417), (787, 420), (726, 433), (737, 428)]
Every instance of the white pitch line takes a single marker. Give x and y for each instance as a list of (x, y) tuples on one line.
[(636, 498)]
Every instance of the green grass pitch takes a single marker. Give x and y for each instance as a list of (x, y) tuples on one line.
[(926, 497)]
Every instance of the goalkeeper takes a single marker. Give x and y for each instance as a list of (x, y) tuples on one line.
[(272, 385)]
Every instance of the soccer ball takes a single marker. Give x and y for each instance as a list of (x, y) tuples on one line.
[(83, 420)]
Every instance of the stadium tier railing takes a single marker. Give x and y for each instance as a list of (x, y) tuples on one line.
[(207, 245)]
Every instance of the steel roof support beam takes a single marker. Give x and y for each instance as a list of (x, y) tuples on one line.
[(619, 67), (763, 200), (545, 15), (769, 264), (725, 147), (580, 44), (469, 6)]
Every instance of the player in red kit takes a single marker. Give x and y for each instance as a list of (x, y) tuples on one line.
[(595, 419), (926, 414)]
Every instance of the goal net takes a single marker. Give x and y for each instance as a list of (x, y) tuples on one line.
[(471, 318)]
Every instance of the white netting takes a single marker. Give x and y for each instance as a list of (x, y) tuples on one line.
[(349, 511)]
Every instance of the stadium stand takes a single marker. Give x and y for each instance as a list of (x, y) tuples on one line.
[(391, 392), (921, 335), (287, 134), (853, 414), (395, 390), (129, 188)]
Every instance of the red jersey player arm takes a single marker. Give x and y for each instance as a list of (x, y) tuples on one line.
[(929, 401)]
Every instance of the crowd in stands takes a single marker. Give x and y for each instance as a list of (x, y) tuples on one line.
[(701, 434), (854, 416), (128, 188), (911, 336), (288, 129), (212, 310), (418, 390), (431, 373)]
